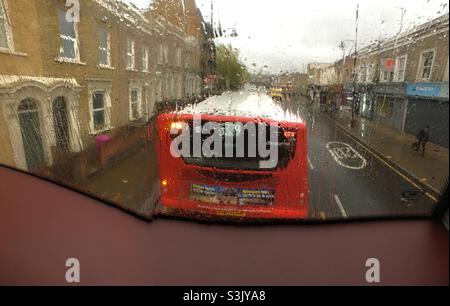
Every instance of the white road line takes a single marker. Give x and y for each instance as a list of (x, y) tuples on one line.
[(310, 164), (341, 207)]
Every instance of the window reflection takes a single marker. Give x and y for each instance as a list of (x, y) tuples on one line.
[(359, 107)]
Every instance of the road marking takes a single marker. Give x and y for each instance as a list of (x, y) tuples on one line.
[(387, 164), (342, 151), (310, 164), (401, 174), (404, 176), (341, 207)]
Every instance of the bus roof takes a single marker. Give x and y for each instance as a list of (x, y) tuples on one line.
[(245, 104)]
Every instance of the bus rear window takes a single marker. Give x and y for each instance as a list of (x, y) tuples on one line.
[(250, 159)]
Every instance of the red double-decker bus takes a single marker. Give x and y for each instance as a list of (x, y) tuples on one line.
[(237, 186)]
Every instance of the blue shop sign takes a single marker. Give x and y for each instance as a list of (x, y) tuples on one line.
[(423, 89)]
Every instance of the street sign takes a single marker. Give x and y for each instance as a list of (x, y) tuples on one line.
[(423, 89)]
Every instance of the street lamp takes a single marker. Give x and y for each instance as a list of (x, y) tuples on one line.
[(352, 123), (343, 46)]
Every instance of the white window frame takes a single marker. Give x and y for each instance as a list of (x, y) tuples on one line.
[(190, 85), (382, 76), (160, 54), (445, 78), (108, 48), (397, 68), (369, 77), (165, 54), (145, 59), (169, 86), (188, 59), (179, 62), (422, 67), (138, 102), (384, 71), (106, 108), (75, 41), (179, 87), (131, 55), (172, 86), (360, 74), (167, 91), (8, 30), (158, 87)]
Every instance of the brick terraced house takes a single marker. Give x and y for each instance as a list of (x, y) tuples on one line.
[(69, 83)]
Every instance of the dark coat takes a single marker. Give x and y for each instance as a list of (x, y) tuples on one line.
[(423, 135)]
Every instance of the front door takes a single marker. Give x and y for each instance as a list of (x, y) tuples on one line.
[(31, 135)]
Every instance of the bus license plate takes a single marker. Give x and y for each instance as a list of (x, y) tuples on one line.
[(231, 196)]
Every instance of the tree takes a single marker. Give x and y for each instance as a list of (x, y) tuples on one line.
[(232, 73)]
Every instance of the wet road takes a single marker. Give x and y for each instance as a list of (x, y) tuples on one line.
[(345, 179)]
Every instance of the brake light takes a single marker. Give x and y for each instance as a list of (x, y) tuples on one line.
[(178, 125), (289, 134)]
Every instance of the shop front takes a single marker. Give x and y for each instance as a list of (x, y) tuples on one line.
[(391, 104), (335, 95), (324, 98), (428, 105), (347, 98), (365, 101)]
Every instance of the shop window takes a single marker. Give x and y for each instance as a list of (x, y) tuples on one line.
[(385, 107)]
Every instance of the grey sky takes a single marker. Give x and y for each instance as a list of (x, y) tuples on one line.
[(286, 34)]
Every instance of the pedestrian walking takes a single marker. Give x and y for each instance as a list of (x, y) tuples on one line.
[(422, 139)]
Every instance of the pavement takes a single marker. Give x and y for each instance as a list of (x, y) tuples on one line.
[(347, 177), (131, 184)]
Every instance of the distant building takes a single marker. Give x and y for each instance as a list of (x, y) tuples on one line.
[(317, 74)]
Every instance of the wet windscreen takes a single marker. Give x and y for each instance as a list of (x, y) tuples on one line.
[(226, 110)]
